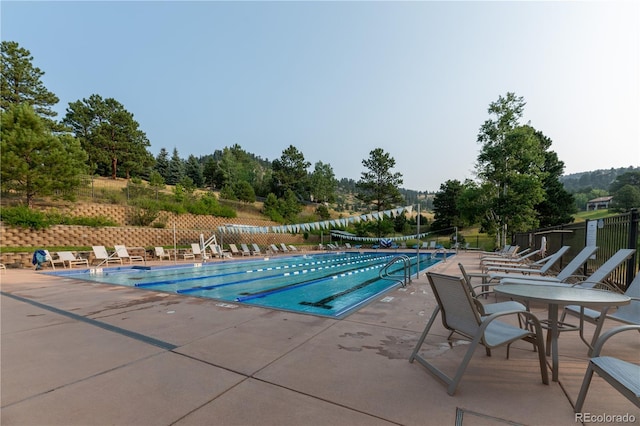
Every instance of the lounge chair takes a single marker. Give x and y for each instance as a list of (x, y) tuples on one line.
[(71, 259), (543, 265), (161, 254), (620, 374), (459, 314), (256, 249), (122, 253), (245, 250), (292, 248), (627, 314), (284, 247), (510, 260), (597, 277), (234, 250), (218, 251), (102, 256), (532, 274), (51, 260), (273, 249)]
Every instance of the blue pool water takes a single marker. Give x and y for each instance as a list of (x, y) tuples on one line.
[(331, 284)]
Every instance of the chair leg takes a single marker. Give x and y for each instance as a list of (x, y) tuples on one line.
[(584, 389), (424, 334)]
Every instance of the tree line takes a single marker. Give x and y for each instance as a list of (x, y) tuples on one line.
[(517, 185)]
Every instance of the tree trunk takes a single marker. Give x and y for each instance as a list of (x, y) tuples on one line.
[(114, 167)]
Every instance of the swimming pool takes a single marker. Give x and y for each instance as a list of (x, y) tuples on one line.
[(327, 284)]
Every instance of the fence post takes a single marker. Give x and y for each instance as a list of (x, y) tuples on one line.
[(633, 244)]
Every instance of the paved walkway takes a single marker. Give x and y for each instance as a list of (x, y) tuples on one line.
[(78, 353)]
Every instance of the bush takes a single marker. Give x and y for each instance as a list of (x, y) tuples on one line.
[(24, 217)]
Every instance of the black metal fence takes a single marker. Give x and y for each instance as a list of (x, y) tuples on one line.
[(608, 234)]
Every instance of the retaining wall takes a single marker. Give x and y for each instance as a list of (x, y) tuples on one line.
[(188, 228)]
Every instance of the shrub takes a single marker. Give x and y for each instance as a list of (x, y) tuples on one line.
[(24, 217)]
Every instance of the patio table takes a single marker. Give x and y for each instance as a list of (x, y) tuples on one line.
[(560, 295)]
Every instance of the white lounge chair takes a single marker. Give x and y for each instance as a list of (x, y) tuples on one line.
[(284, 247), (51, 260), (71, 259), (256, 249), (123, 253), (102, 256), (459, 314), (274, 249), (235, 251), (161, 254), (245, 250)]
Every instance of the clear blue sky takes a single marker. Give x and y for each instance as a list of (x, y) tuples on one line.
[(339, 79)]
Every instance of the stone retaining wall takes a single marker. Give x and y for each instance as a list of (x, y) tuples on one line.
[(188, 228)]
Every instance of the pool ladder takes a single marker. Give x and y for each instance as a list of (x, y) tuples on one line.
[(405, 278)]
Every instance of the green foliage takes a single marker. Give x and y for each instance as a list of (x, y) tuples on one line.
[(244, 191), (626, 198), (20, 83), (323, 212), (110, 136), (34, 161), (24, 217), (290, 173), (378, 186), (143, 212)]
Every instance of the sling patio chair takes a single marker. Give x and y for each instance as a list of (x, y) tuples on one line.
[(123, 253), (102, 256), (537, 275), (627, 314), (621, 374), (596, 278), (516, 260), (256, 249), (284, 247), (71, 259), (488, 308), (459, 314), (543, 265)]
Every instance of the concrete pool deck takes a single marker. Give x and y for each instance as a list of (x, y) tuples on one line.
[(80, 353)]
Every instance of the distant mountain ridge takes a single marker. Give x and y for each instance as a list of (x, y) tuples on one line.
[(596, 179)]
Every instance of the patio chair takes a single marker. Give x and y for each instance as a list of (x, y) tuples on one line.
[(161, 254), (51, 260), (234, 250), (71, 259), (256, 249), (499, 261), (542, 265), (273, 249), (102, 256), (620, 374), (459, 314), (488, 308), (123, 253), (245, 250), (627, 314), (292, 248), (536, 275), (284, 247)]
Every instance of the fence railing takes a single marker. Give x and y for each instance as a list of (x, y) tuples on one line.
[(611, 234)]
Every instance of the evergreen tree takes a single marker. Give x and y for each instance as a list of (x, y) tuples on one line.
[(176, 168), (20, 82), (35, 161), (290, 173), (193, 169), (378, 186), (162, 163), (110, 136)]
